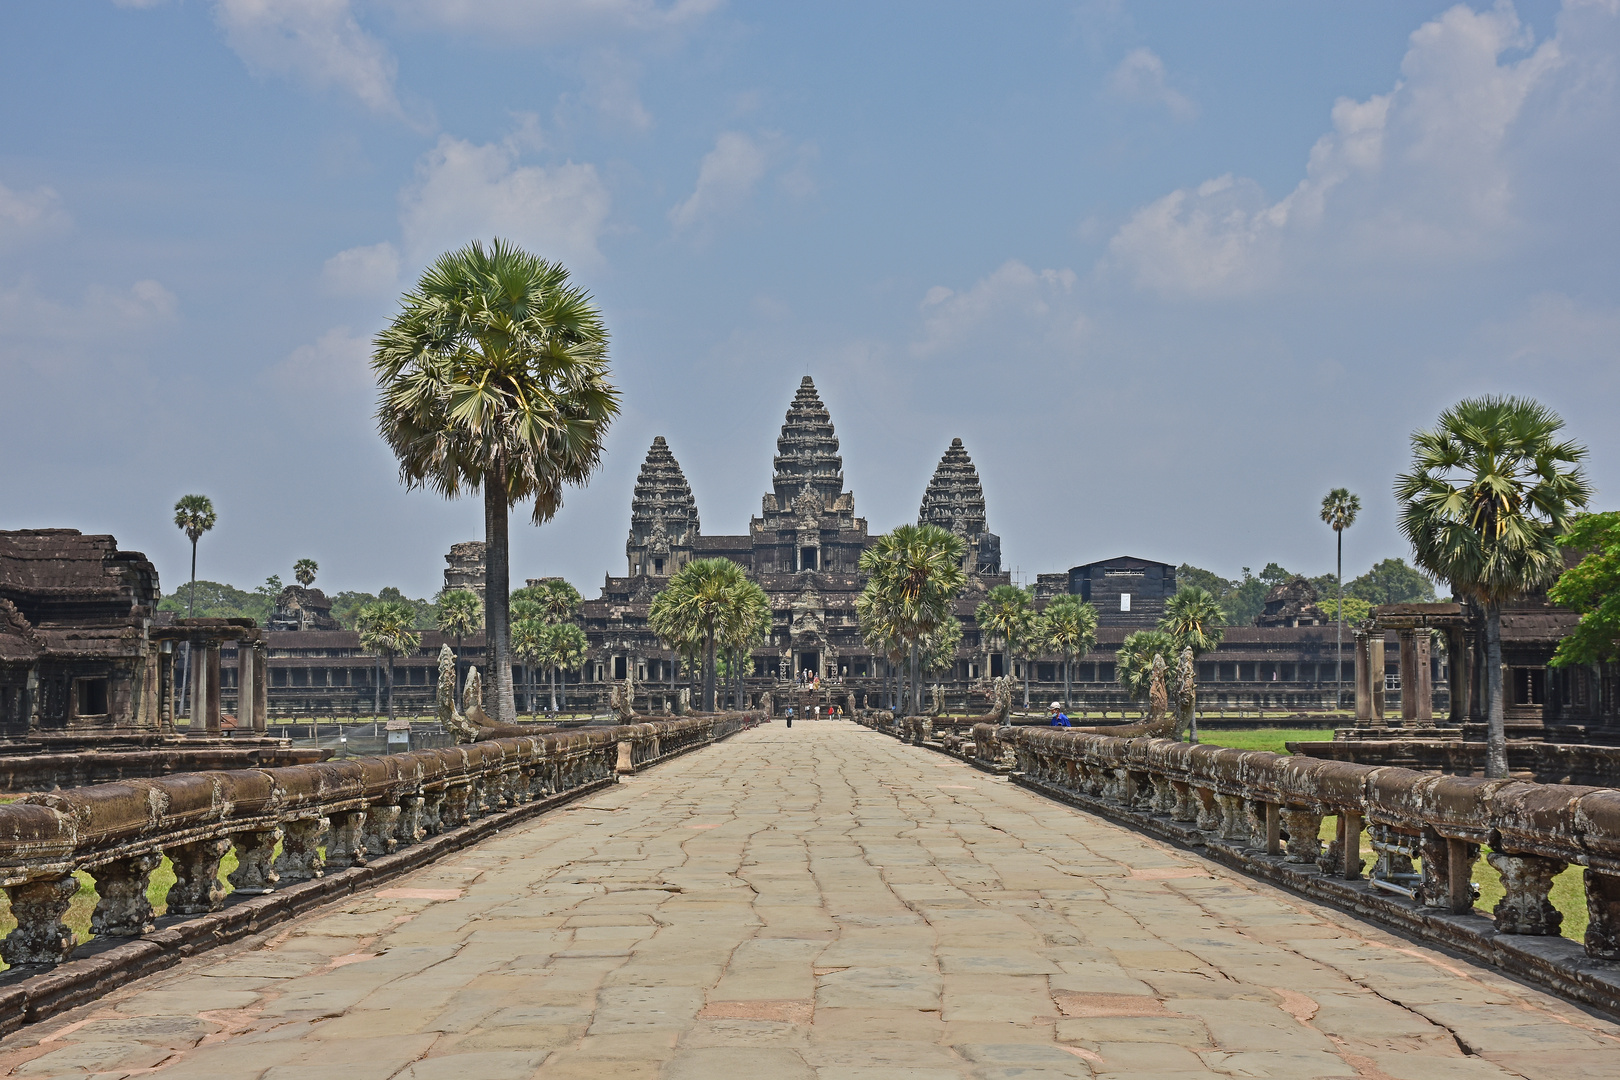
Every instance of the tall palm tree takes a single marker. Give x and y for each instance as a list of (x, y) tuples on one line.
[(746, 622), (694, 607), (557, 600), (1003, 616), (1339, 510), (562, 649), (914, 575), (494, 376), (304, 571), (460, 613), (1069, 628), (1193, 617), (194, 515), (1490, 492), (387, 629), (529, 649)]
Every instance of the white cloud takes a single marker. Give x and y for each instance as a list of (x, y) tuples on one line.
[(362, 271), (1141, 77), (317, 41), (1421, 175), (28, 213), (553, 18), (465, 191), (726, 179), (730, 173), (1013, 305), (339, 362), (45, 334)]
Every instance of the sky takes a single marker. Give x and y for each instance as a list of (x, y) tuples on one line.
[(1171, 271)]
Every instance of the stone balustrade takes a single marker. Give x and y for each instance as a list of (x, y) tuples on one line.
[(326, 817), (1425, 830)]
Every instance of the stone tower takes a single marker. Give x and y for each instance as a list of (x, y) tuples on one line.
[(807, 452), (464, 567), (955, 502), (663, 516), (808, 521)]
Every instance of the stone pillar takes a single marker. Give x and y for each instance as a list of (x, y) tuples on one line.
[(255, 873), (197, 888), (1462, 674), (198, 668), (301, 850), (244, 686), (1304, 828), (1526, 881), (166, 690), (1408, 653), (261, 687), (124, 909), (1363, 679), (1602, 910), (1447, 868), (211, 699), (1375, 674)]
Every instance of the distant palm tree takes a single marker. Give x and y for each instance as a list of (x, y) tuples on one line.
[(695, 607), (1339, 510), (304, 571), (387, 629), (1133, 663), (1193, 617), (914, 575), (1490, 492), (460, 613), (494, 377), (558, 601), (747, 622), (1068, 627), (194, 515), (529, 649), (563, 648), (1003, 617), (879, 633)]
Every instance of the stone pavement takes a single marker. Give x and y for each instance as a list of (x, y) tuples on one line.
[(822, 903)]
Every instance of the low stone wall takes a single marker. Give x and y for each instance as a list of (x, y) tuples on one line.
[(1263, 813), (1535, 760), (330, 818), (51, 771)]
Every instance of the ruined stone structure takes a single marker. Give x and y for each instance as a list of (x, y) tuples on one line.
[(464, 567), (1293, 603), (298, 608), (1126, 591)]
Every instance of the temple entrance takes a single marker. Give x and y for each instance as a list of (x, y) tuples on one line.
[(811, 662), (996, 670)]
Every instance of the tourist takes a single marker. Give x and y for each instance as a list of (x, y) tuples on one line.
[(1058, 717), (790, 716)]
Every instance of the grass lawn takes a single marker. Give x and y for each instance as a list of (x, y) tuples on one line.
[(1264, 738)]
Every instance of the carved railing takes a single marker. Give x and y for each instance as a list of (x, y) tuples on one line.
[(1275, 804), (327, 817)]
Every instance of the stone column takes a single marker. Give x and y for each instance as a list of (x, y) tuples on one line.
[(1526, 881), (40, 936), (1408, 653), (1375, 674), (1423, 687), (166, 690), (1363, 679), (123, 909), (261, 687), (244, 686), (199, 692), (1462, 674), (211, 698)]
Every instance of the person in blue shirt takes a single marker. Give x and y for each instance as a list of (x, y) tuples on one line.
[(790, 716), (1058, 719)]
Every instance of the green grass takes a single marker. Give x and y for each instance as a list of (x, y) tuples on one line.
[(1263, 738)]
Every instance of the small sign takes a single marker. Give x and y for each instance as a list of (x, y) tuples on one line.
[(399, 738)]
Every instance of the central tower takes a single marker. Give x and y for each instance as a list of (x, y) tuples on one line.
[(808, 521)]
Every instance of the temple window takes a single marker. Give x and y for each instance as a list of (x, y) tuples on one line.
[(92, 694), (807, 558)]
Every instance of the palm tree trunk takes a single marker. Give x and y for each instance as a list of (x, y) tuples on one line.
[(390, 687), (1338, 640), (916, 681), (455, 691), (497, 608), (1066, 694), (554, 689), (191, 594), (1496, 765), (708, 674), (1027, 659)]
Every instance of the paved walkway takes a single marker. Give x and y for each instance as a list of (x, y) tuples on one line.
[(822, 903)]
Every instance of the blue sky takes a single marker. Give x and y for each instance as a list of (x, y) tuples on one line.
[(1171, 271)]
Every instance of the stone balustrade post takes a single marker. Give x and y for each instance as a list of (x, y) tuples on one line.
[(1526, 881), (1350, 826), (1273, 823), (1603, 915), (345, 844), (1164, 794), (40, 936), (1447, 867), (433, 812), (255, 872), (1186, 803), (409, 829), (1234, 824), (456, 809), (377, 835), (301, 858), (124, 909), (1304, 828), (1209, 810), (197, 889)]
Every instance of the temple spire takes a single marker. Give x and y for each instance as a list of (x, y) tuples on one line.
[(663, 515), (807, 458), (954, 501)]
